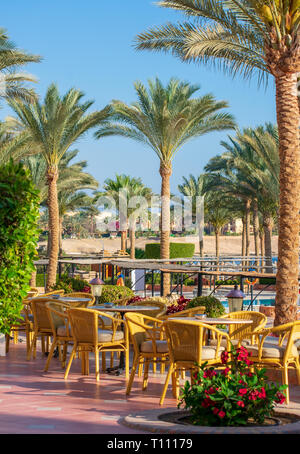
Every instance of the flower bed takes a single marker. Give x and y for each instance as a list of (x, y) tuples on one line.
[(233, 396)]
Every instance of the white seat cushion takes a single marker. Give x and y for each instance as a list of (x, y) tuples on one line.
[(272, 351), (209, 351), (234, 342), (103, 334), (147, 347)]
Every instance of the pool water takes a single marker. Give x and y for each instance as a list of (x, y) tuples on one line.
[(256, 302)]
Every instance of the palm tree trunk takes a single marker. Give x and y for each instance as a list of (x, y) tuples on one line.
[(247, 225), (123, 240), (289, 203), (262, 247), (165, 172), (60, 235), (256, 231), (32, 282), (243, 241), (132, 241), (52, 176), (268, 225), (217, 236)]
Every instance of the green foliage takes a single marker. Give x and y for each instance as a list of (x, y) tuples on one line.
[(267, 281), (139, 253), (112, 293), (72, 284), (177, 250), (231, 397), (228, 282), (19, 212), (213, 306)]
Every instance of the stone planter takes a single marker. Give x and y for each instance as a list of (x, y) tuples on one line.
[(2, 345), (269, 311)]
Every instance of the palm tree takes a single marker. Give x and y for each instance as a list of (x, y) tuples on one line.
[(193, 187), (253, 38), (164, 118), (124, 189), (54, 127), (11, 59)]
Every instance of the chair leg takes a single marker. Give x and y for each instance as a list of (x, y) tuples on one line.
[(127, 363), (111, 359), (163, 394), (54, 344), (64, 355), (97, 363), (285, 379), (103, 361), (298, 370), (132, 374), (7, 339), (154, 365), (73, 353), (175, 383), (31, 348), (146, 373), (163, 366), (141, 365)]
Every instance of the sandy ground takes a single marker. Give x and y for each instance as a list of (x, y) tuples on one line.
[(228, 244)]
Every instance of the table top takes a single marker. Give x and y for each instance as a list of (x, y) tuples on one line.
[(214, 321), (125, 308), (61, 298)]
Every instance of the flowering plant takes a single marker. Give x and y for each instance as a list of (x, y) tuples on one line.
[(178, 305), (231, 396)]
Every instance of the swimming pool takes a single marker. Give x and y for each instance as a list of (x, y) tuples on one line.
[(256, 302)]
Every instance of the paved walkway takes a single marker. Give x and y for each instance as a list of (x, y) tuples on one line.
[(35, 402)]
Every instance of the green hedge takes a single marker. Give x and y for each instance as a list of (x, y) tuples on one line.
[(177, 250), (19, 232), (213, 306), (267, 280), (112, 293)]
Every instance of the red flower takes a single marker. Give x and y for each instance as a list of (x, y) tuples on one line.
[(209, 373), (262, 394), (224, 357), (280, 398), (240, 403), (225, 371), (221, 414), (215, 410), (243, 391), (253, 395), (206, 402)]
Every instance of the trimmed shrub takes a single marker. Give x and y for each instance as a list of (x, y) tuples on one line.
[(267, 281), (112, 293), (213, 306), (177, 250), (72, 284), (19, 233)]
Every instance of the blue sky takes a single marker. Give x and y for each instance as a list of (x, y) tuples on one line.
[(89, 45)]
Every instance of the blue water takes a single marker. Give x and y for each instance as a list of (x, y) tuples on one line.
[(262, 302)]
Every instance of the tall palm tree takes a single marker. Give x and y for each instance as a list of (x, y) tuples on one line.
[(54, 126), (12, 82), (253, 38), (123, 189), (164, 118), (193, 187)]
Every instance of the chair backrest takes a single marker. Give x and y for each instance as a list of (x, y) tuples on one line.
[(186, 340), (187, 312), (84, 325), (54, 292), (58, 315), (137, 326), (289, 333), (40, 314), (159, 310), (33, 292), (88, 296), (240, 331)]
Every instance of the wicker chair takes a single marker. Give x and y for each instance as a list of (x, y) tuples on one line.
[(88, 296), (41, 325), (88, 336), (186, 342), (53, 292), (60, 324), (186, 313), (241, 333), (282, 354), (25, 322), (141, 329)]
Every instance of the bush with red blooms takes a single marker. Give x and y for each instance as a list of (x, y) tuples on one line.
[(233, 396), (134, 300), (178, 306)]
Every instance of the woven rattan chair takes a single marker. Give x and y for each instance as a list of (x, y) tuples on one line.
[(41, 325), (53, 292), (89, 335), (25, 323), (282, 354), (88, 296), (186, 342), (60, 324), (241, 333), (185, 313), (147, 348)]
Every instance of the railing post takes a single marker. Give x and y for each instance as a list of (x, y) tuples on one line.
[(161, 283), (200, 285)]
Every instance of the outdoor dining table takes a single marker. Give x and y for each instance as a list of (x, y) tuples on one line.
[(62, 299), (122, 310)]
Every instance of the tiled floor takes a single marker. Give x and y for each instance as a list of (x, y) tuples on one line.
[(34, 402)]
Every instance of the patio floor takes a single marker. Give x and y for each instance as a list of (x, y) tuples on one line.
[(35, 402)]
